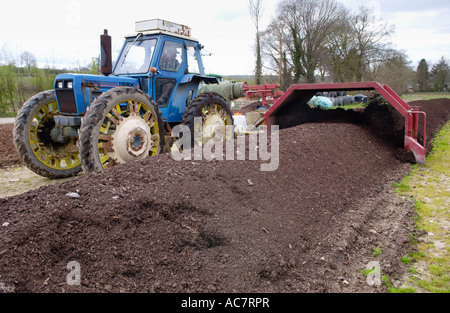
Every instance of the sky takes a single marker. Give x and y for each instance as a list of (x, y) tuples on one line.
[(66, 33)]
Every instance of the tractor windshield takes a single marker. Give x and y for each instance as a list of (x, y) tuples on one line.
[(136, 57)]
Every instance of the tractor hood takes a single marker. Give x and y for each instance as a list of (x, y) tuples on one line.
[(75, 92)]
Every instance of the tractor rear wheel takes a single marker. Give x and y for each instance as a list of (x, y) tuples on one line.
[(215, 114), (40, 144), (122, 125)]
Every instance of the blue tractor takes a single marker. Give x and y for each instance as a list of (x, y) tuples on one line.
[(94, 122)]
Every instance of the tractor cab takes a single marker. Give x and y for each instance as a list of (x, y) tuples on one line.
[(161, 59), (167, 62)]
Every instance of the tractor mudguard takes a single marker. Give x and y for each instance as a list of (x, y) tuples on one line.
[(187, 78)]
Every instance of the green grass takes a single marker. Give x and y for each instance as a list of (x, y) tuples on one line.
[(429, 186), (407, 97), (406, 260), (376, 252), (403, 186), (349, 106), (8, 114), (366, 272), (417, 96), (391, 289), (402, 290)]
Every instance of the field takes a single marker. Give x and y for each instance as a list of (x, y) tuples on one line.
[(337, 216), (425, 96)]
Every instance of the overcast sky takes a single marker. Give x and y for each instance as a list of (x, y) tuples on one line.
[(66, 32)]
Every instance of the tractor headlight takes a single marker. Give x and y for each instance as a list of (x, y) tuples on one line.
[(64, 84)]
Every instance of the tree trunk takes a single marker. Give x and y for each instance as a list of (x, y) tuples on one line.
[(258, 72)]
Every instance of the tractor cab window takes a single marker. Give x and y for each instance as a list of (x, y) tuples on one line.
[(171, 57), (193, 66), (136, 57)]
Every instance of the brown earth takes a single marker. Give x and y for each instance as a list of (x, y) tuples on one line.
[(8, 153), (221, 226), (390, 125), (251, 107)]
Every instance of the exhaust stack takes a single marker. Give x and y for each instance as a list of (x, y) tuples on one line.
[(106, 54)]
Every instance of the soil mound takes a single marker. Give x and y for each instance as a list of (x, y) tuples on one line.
[(162, 225), (198, 226), (438, 113), (385, 121), (8, 153), (249, 108)]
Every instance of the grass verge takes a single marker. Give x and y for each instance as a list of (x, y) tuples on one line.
[(425, 96), (429, 186)]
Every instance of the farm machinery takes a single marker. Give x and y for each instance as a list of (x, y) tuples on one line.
[(94, 122)]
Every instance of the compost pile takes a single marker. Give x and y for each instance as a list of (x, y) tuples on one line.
[(248, 108), (162, 225)]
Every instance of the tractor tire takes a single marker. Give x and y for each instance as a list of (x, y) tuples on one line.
[(116, 131), (34, 144), (212, 108)]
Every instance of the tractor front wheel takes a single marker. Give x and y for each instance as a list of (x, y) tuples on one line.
[(40, 144), (122, 125)]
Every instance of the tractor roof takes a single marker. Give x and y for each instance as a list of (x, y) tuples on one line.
[(158, 26)]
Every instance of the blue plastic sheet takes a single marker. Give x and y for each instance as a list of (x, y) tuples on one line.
[(323, 102)]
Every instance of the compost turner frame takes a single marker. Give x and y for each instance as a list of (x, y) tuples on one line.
[(288, 105)]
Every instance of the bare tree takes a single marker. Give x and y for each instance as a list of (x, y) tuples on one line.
[(310, 37), (371, 41), (342, 53), (28, 60), (256, 9), (395, 71), (6, 56), (360, 47), (275, 52), (310, 23)]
